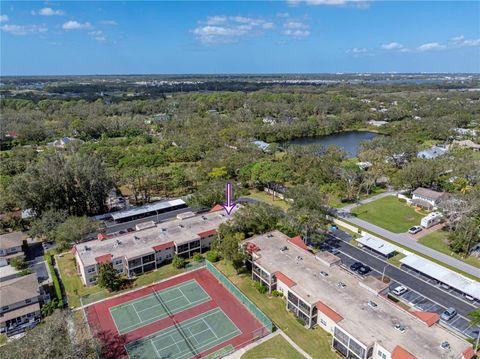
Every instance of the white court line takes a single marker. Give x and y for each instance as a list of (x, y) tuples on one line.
[(209, 327), (184, 295), (156, 350)]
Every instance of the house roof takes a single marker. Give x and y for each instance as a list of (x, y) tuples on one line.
[(106, 258), (163, 246), (428, 193), (298, 241), (19, 289), (329, 312), (283, 278), (400, 353), (207, 233), (469, 353), (428, 318), (13, 239), (32, 308), (216, 208)]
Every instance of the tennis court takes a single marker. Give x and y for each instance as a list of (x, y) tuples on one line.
[(186, 339), (139, 312)]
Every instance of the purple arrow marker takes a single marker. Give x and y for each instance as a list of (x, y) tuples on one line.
[(229, 206)]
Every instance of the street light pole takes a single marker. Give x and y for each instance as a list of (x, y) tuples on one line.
[(383, 273)]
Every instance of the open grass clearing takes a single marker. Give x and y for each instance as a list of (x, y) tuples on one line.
[(269, 199), (277, 348), (389, 213)]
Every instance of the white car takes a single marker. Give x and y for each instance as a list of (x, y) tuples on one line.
[(415, 230), (399, 290)]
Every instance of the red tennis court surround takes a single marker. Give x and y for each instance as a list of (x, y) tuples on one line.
[(104, 328)]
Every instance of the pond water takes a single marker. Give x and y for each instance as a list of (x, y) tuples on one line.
[(348, 141)]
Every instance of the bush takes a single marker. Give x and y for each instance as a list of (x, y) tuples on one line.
[(49, 308), (25, 272), (19, 263), (261, 288), (402, 200), (108, 277), (178, 262), (197, 257), (277, 293), (212, 256)]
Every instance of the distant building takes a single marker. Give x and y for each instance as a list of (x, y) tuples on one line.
[(269, 120), (377, 123), (433, 152), (427, 198), (467, 144), (262, 145), (364, 165), (64, 141), (20, 307), (465, 132), (11, 245)]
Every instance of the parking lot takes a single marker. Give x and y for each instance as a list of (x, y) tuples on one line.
[(351, 254)]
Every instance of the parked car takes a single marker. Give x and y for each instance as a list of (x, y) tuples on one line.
[(415, 230), (363, 270), (468, 297), (445, 345), (448, 314), (372, 304), (354, 267), (341, 285), (444, 286), (334, 251), (323, 274), (400, 328), (399, 290)]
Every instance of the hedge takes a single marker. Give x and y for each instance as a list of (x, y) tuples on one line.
[(56, 283)]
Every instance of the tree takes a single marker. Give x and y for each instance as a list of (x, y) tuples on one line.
[(475, 321), (73, 230), (108, 277), (57, 337), (465, 236), (76, 183), (208, 195), (19, 263), (238, 260), (178, 262), (48, 308), (228, 245), (45, 226)]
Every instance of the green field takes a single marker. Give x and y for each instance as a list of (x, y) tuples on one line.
[(269, 199), (438, 240), (276, 348), (389, 213), (316, 342)]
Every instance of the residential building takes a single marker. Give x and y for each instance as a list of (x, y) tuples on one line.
[(19, 304), (323, 293), (467, 144), (64, 141), (427, 198), (150, 246), (433, 152), (11, 245), (7, 272), (261, 145)]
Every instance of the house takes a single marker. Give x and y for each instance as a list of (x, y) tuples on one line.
[(467, 144), (20, 307), (64, 141), (364, 165), (148, 247), (433, 152), (269, 120), (7, 271), (465, 132), (11, 245), (310, 287), (427, 198), (261, 145), (377, 123)]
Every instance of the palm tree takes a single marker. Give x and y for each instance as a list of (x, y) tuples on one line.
[(475, 320)]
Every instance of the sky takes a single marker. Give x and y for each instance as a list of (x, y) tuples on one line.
[(217, 37)]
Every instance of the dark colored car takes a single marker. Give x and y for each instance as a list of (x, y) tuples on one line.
[(364, 270), (355, 266)]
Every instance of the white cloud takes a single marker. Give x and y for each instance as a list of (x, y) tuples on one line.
[(431, 46), (296, 29), (392, 46), (461, 41), (360, 3), (109, 22), (48, 11), (75, 25), (357, 50), (23, 29), (3, 18), (228, 29), (283, 14), (98, 35)]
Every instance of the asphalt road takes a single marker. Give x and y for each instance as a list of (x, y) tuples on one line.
[(435, 294)]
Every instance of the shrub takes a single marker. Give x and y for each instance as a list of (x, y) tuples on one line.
[(197, 257), (108, 277), (19, 263), (25, 272), (178, 262), (49, 308), (260, 287), (277, 293), (56, 283), (212, 256)]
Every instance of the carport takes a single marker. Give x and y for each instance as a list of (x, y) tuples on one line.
[(377, 245), (443, 275)]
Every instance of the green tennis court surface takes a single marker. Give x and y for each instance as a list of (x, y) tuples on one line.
[(186, 339), (148, 309)]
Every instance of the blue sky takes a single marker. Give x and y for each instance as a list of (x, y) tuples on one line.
[(294, 36)]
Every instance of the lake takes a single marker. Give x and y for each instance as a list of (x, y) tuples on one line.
[(348, 141)]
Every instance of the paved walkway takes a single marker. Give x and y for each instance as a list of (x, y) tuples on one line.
[(349, 207), (407, 242)]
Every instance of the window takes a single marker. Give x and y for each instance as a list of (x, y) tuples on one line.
[(379, 353), (5, 308), (93, 279), (384, 356), (118, 261), (91, 270), (28, 301), (324, 323)]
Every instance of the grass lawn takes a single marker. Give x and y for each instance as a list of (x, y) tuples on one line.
[(267, 198), (315, 342), (438, 240), (277, 348), (389, 213), (395, 260), (75, 289), (335, 202), (3, 339)]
